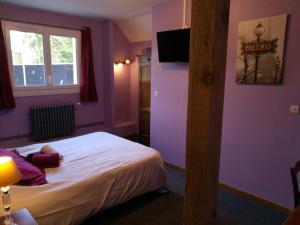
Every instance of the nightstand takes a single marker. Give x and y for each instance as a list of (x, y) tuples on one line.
[(21, 217)]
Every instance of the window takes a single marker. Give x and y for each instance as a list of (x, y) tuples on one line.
[(43, 60)]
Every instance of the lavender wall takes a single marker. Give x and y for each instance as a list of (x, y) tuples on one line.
[(168, 111), (121, 77), (108, 80), (260, 138), (16, 122)]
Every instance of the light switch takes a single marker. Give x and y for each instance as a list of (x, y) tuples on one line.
[(156, 93), (294, 109)]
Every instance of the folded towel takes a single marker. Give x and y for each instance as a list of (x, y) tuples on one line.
[(28, 158), (49, 160), (48, 149)]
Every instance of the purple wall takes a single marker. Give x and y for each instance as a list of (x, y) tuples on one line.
[(16, 122), (108, 80), (260, 138), (121, 77), (169, 109)]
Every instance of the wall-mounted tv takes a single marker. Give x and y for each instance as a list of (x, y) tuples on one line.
[(174, 45)]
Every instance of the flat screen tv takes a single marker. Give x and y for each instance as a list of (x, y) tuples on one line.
[(173, 45)]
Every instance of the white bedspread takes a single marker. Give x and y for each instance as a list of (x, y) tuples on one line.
[(99, 171)]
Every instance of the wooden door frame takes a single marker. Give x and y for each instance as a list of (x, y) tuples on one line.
[(148, 63), (209, 33)]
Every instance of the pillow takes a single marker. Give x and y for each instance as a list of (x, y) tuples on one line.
[(31, 175)]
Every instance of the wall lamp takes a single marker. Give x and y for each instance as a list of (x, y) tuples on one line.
[(119, 64), (124, 62)]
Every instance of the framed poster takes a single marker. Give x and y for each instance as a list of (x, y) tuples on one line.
[(260, 50)]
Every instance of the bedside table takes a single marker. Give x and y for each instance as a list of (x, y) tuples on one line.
[(21, 217)]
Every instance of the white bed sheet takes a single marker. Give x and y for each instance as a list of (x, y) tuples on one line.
[(99, 170)]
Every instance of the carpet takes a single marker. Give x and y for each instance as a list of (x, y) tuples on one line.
[(166, 209)]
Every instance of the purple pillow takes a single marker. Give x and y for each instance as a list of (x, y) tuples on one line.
[(31, 175)]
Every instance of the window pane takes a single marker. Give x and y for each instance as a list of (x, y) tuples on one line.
[(28, 58), (63, 58)]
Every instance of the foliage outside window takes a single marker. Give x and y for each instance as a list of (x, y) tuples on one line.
[(43, 60)]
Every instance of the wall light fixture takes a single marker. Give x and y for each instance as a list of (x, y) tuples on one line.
[(123, 62)]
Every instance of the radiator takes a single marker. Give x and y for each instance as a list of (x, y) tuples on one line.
[(52, 121)]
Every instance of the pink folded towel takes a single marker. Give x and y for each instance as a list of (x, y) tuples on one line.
[(49, 160)]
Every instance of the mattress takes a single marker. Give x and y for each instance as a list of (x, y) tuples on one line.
[(99, 171)]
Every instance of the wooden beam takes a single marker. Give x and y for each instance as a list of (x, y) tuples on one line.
[(205, 109)]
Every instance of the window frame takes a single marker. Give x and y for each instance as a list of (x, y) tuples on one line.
[(46, 32)]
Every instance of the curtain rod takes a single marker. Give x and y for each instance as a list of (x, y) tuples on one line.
[(43, 24)]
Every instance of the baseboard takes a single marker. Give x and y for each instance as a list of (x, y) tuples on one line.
[(255, 198), (126, 124), (80, 129), (26, 139), (23, 136), (101, 123), (173, 166), (15, 141), (240, 192), (125, 129), (89, 128)]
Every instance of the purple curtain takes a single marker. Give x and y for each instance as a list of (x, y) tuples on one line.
[(88, 92), (7, 100)]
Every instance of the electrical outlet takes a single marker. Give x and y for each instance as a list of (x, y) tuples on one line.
[(294, 109), (156, 93)]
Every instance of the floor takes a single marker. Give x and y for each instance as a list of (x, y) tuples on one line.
[(166, 209)]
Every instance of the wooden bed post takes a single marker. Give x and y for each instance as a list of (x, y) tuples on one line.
[(205, 109)]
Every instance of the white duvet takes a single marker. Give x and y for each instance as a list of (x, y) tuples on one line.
[(99, 170)]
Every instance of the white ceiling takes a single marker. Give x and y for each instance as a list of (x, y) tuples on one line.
[(112, 9), (137, 28)]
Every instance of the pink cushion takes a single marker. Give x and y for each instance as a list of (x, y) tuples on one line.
[(31, 175)]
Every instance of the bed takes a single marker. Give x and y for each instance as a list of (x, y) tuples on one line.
[(99, 171)]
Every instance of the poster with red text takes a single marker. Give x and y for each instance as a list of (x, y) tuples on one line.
[(260, 50)]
